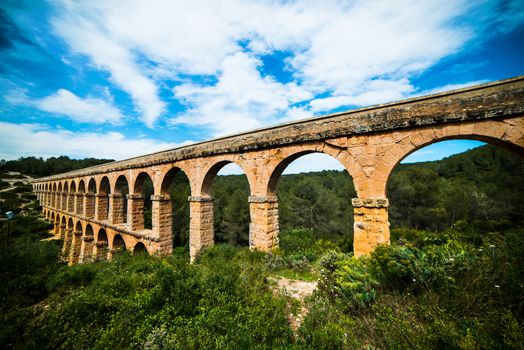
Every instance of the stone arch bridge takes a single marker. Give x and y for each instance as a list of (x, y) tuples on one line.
[(95, 216)]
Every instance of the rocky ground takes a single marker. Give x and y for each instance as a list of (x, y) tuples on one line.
[(298, 290)]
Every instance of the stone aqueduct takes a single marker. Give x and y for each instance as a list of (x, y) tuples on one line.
[(92, 216)]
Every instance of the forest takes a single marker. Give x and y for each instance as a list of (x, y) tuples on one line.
[(451, 279)]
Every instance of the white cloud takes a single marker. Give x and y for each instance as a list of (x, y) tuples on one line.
[(88, 110), (65, 103), (19, 140), (241, 99), (88, 38), (376, 91), (342, 53)]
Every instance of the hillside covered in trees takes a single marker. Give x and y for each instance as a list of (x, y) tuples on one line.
[(38, 167), (486, 183), (451, 279)]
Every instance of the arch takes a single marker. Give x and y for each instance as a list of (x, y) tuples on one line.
[(72, 187), (89, 200), (101, 235), (81, 187), (175, 188), (104, 186), (234, 228), (139, 248), (212, 172), (104, 190), (86, 254), (76, 244), (101, 245), (118, 243), (71, 197), (141, 205), (319, 203), (290, 158), (80, 197), (65, 195), (492, 132), (121, 185), (91, 187), (119, 208), (167, 180), (56, 224), (138, 186), (54, 196), (68, 239), (59, 196), (63, 225), (434, 198), (78, 227)]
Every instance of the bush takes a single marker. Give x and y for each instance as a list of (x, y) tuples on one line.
[(296, 240), (347, 278), (3, 184)]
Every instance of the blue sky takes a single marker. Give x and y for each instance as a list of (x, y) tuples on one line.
[(116, 79)]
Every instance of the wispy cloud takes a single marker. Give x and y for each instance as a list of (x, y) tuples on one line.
[(339, 53), (241, 99), (64, 103), (40, 140), (208, 67)]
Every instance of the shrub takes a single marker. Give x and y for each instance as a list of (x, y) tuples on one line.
[(347, 278), (295, 240)]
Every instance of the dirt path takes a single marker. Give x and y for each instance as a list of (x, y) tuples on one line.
[(11, 182), (298, 290)]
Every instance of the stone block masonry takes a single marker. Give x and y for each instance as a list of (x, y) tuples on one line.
[(368, 142)]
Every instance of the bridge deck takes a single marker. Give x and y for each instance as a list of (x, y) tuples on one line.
[(504, 98)]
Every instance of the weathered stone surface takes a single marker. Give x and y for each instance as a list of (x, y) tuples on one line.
[(201, 230), (368, 142)]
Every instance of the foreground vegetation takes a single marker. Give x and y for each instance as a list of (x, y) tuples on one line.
[(452, 278), (447, 290)]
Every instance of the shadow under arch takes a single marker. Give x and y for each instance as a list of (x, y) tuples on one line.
[(118, 245), (63, 225), (59, 196), (316, 201), (104, 190), (176, 186), (80, 197), (101, 245), (54, 196), (143, 188), (87, 244), (139, 248), (76, 244), (68, 239), (120, 192), (90, 198), (230, 203), (71, 197)]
